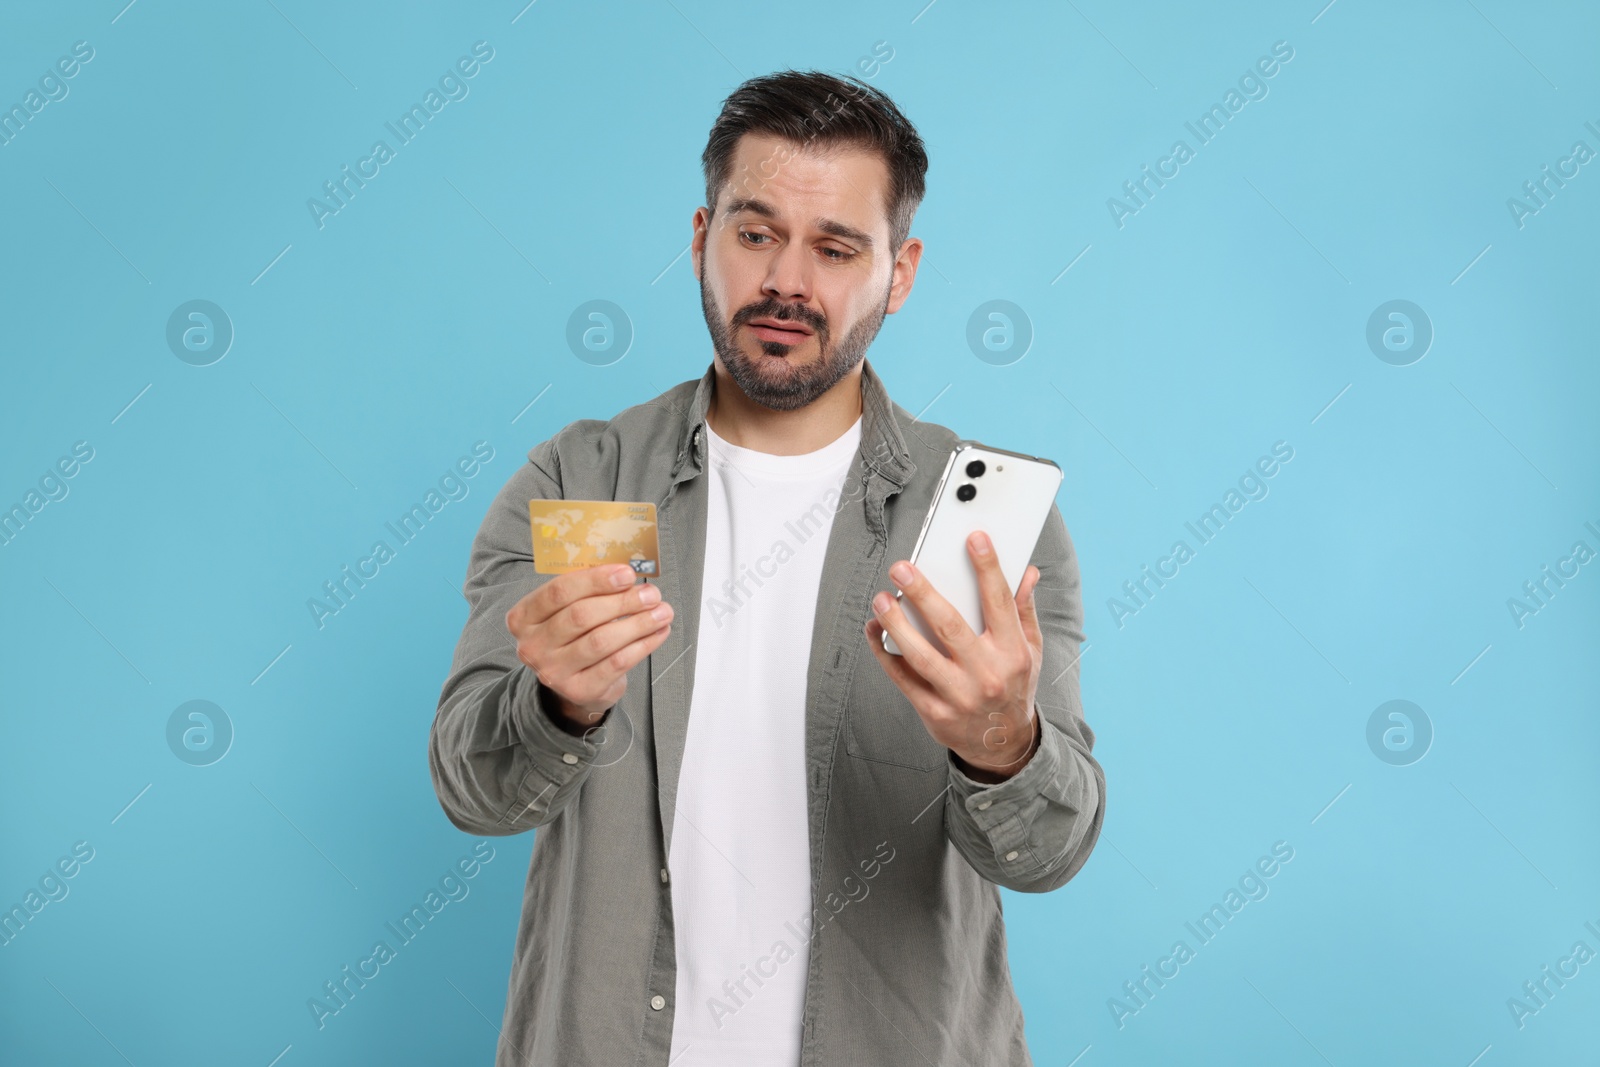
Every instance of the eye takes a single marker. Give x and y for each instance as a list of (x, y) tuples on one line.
[(838, 255), (746, 233)]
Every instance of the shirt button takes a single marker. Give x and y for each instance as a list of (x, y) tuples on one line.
[(1011, 855), (569, 758), (983, 805), (663, 876), (658, 1002)]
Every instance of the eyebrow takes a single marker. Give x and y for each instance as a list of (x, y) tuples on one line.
[(828, 226)]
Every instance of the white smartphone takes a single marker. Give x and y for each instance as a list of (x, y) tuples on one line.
[(1005, 494)]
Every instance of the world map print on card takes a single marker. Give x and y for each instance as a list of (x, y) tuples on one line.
[(569, 535)]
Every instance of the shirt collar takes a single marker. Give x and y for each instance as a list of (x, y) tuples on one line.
[(883, 447)]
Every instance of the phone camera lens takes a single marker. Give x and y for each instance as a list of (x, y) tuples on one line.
[(975, 469), (966, 492)]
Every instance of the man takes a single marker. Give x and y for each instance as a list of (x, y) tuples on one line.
[(764, 839)]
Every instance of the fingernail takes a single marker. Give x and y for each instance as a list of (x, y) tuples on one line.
[(901, 573), (881, 602), (661, 613), (622, 577), (980, 543), (649, 594)]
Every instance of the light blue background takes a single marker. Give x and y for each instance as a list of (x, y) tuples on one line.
[(1227, 315)]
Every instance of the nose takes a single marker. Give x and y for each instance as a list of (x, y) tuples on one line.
[(789, 275)]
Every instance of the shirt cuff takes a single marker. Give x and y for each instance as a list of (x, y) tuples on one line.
[(555, 757), (1002, 811)]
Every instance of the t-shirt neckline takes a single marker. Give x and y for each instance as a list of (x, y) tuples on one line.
[(834, 454)]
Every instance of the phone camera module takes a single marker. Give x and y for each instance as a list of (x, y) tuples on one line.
[(966, 492), (975, 469)]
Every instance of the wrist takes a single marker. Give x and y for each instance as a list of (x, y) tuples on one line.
[(568, 717), (996, 767)]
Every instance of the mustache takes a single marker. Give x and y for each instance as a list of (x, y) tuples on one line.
[(783, 312)]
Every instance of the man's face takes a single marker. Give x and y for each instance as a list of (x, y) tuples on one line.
[(799, 254)]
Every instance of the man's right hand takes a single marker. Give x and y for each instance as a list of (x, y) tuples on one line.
[(583, 631)]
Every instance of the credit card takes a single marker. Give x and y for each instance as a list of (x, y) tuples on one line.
[(569, 535)]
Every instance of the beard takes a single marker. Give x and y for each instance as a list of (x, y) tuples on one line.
[(774, 379)]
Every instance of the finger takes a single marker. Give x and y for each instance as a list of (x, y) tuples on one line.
[(601, 680), (940, 615), (564, 589), (913, 685), (1027, 611), (999, 610), (587, 613), (593, 646), (933, 666)]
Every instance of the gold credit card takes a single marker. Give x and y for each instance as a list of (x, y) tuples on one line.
[(569, 535)]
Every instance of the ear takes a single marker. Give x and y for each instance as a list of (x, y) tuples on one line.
[(905, 273), (697, 245)]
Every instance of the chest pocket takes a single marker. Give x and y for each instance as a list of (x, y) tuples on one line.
[(881, 725)]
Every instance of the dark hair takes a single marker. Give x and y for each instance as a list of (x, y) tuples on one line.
[(811, 108)]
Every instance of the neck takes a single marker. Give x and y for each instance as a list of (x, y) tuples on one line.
[(741, 421)]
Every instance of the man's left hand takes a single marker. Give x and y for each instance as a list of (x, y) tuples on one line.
[(978, 700)]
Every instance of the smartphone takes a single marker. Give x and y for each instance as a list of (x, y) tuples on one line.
[(1008, 496)]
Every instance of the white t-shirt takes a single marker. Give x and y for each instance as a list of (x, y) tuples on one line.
[(740, 859)]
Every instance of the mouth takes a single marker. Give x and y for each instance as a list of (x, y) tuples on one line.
[(780, 331)]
